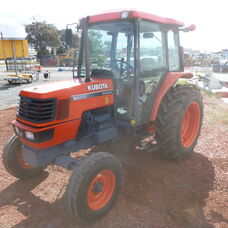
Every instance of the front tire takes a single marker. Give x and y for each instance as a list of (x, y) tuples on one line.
[(94, 186), (14, 163), (29, 80), (179, 122), (11, 82)]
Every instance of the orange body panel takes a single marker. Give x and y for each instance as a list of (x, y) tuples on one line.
[(170, 79), (65, 90), (67, 128), (62, 133)]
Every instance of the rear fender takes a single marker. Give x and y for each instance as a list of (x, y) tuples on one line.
[(169, 81)]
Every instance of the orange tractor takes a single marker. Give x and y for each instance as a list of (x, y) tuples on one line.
[(126, 90)]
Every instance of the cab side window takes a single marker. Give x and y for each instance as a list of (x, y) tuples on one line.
[(152, 54), (173, 51)]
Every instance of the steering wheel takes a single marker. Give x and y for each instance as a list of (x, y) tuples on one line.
[(128, 65)]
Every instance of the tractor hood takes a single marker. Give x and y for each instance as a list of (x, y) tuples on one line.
[(67, 88)]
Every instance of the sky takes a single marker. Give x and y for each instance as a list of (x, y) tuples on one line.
[(210, 17)]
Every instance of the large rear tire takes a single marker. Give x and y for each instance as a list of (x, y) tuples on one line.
[(14, 163), (94, 187), (179, 122)]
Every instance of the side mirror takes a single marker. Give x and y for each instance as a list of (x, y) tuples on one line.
[(68, 37), (190, 28)]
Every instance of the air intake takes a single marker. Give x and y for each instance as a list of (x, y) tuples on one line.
[(37, 110)]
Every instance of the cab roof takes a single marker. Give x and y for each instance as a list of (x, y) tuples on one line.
[(116, 15)]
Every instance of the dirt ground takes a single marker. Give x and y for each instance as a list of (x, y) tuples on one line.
[(156, 193)]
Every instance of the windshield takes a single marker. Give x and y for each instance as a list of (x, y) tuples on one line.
[(111, 48)]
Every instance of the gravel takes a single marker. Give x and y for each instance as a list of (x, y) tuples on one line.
[(156, 193)]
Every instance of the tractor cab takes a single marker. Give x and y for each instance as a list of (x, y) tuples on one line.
[(136, 51)]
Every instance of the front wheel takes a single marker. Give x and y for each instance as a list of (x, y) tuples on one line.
[(11, 82), (179, 122), (94, 186), (14, 163), (29, 80)]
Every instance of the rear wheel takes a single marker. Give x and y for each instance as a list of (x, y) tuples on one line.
[(14, 163), (179, 122), (94, 186)]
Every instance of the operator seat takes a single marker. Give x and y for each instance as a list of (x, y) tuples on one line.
[(101, 73)]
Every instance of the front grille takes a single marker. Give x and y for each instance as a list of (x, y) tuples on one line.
[(37, 110)]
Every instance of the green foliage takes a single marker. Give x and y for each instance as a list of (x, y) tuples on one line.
[(96, 45), (61, 50), (108, 45), (99, 49), (41, 36)]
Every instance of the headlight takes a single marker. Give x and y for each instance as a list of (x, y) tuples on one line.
[(35, 137), (29, 135)]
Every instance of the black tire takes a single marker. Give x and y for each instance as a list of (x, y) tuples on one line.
[(172, 143), (81, 180), (29, 80), (11, 82), (13, 164)]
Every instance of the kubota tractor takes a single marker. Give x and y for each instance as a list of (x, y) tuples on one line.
[(126, 90)]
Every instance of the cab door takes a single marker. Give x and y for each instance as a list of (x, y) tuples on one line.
[(153, 66), (122, 65), (159, 54)]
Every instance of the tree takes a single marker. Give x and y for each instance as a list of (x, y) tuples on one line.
[(108, 47), (61, 50), (41, 36), (96, 47)]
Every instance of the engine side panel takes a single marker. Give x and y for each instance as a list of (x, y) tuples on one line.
[(75, 95), (72, 100)]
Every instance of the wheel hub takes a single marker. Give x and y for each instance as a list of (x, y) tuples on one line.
[(101, 189), (98, 187), (21, 161)]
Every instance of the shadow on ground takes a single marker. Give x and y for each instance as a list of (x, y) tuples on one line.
[(9, 86), (156, 193)]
